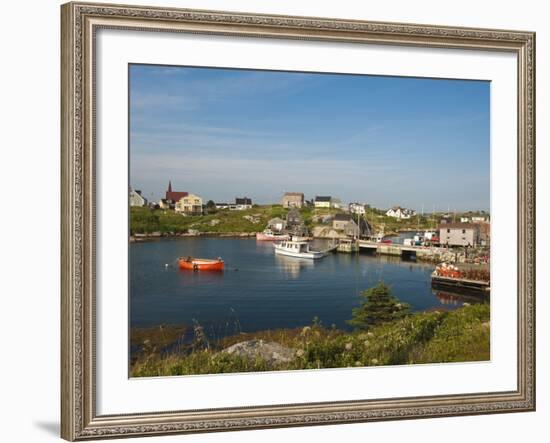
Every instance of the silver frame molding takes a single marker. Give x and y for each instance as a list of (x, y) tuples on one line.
[(79, 22)]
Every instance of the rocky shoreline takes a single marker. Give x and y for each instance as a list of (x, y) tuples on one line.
[(140, 237)]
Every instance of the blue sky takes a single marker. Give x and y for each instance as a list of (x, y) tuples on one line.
[(223, 133)]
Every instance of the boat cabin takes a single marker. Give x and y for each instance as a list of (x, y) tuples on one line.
[(297, 246)]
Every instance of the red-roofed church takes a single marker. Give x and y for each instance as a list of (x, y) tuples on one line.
[(174, 196)]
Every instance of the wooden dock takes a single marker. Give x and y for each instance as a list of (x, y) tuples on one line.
[(460, 284), (401, 250)]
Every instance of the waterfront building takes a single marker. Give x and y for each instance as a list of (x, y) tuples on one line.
[(459, 234), (323, 201), (222, 205), (400, 213), (136, 199), (189, 205), (276, 224), (351, 226), (484, 233), (293, 200)]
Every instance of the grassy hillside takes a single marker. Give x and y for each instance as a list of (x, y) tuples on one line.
[(145, 220), (428, 337)]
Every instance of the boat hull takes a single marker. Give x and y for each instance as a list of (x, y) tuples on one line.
[(311, 255), (200, 264), (260, 236)]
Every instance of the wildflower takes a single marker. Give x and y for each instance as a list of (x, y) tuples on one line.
[(358, 363), (349, 346), (366, 343), (300, 353), (306, 330), (374, 361)]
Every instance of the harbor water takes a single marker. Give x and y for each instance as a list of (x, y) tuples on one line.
[(259, 290)]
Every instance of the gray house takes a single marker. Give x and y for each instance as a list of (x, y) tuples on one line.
[(276, 224), (293, 200), (351, 226), (459, 234), (136, 199)]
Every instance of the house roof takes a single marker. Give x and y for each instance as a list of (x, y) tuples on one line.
[(294, 194), (322, 198), (458, 226), (365, 226), (243, 201), (176, 196)]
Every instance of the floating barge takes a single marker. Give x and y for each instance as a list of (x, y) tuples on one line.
[(457, 283), (453, 277)]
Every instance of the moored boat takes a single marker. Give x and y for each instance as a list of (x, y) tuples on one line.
[(201, 264), (269, 235), (298, 249)]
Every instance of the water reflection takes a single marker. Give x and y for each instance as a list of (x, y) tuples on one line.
[(292, 266), (457, 300)]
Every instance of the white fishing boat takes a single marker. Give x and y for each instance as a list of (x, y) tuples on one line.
[(298, 249)]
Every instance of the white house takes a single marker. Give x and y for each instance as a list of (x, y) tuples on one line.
[(323, 201), (479, 219), (136, 199), (276, 224), (400, 213), (241, 204), (357, 208), (190, 205), (459, 234)]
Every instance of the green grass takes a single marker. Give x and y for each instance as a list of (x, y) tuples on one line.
[(145, 220), (428, 337)]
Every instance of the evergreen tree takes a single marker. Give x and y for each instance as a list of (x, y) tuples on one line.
[(378, 306), (210, 207)]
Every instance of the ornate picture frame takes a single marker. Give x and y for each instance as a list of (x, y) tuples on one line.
[(80, 22)]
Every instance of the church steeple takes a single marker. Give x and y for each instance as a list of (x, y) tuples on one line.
[(170, 186)]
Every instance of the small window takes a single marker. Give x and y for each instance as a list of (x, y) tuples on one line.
[(464, 231)]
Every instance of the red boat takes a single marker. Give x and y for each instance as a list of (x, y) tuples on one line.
[(201, 264)]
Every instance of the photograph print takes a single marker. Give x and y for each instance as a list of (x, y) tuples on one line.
[(303, 221)]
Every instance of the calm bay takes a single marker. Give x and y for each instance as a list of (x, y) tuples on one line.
[(260, 290)]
